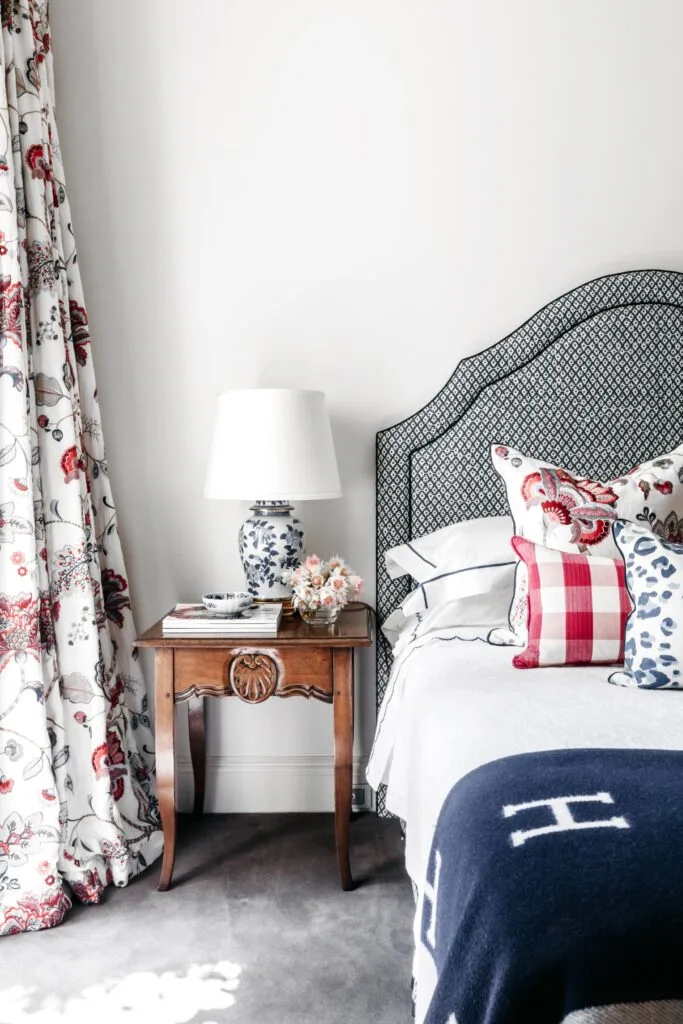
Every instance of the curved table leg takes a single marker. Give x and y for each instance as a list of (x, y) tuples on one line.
[(197, 751), (343, 757), (165, 762)]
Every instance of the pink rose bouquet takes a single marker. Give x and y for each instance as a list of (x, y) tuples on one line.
[(324, 587)]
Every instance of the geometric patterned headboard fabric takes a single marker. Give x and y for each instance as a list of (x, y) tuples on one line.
[(593, 381)]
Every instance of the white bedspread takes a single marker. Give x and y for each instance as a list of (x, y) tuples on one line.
[(454, 704)]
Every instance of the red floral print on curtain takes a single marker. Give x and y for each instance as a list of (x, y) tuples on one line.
[(77, 801)]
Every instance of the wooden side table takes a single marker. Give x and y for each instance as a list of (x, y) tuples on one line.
[(304, 661)]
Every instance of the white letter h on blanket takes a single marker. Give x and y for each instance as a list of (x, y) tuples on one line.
[(564, 820)]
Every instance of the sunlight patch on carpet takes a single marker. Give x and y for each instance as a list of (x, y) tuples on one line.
[(173, 997)]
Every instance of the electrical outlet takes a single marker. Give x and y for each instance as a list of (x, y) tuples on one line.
[(361, 797)]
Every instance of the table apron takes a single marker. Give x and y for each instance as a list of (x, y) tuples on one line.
[(254, 673)]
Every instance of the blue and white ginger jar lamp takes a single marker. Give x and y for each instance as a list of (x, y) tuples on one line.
[(272, 446)]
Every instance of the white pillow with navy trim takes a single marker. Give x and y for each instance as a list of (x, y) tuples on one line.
[(463, 545), (488, 588), (401, 631), (476, 598)]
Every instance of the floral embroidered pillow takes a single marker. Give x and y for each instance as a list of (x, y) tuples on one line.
[(571, 513), (515, 634), (653, 649)]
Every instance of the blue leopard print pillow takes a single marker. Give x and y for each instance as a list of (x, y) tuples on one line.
[(653, 649)]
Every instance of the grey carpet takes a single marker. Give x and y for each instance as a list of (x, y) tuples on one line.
[(260, 891)]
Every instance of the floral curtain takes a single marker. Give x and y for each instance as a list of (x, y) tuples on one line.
[(77, 801)]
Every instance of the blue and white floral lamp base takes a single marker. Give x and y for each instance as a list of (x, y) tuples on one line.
[(271, 540)]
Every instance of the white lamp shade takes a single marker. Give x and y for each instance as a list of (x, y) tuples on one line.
[(272, 444)]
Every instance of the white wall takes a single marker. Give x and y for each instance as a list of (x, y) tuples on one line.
[(339, 194)]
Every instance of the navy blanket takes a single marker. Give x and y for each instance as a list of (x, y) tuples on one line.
[(555, 884)]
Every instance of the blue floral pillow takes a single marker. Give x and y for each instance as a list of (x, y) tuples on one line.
[(653, 650)]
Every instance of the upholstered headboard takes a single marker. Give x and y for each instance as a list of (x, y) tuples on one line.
[(593, 381)]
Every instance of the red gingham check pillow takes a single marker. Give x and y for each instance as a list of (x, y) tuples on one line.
[(577, 608)]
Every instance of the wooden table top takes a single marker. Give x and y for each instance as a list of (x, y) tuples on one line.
[(353, 628)]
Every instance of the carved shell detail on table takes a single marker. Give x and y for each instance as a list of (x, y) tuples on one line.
[(254, 677)]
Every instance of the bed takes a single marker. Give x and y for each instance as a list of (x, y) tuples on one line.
[(595, 380)]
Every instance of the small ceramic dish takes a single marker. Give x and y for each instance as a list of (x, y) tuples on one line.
[(227, 604)]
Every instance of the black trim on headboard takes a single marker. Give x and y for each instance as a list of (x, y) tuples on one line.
[(593, 380)]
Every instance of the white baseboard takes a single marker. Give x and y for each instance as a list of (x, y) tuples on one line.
[(264, 784)]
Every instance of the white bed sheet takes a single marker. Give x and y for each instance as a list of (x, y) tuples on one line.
[(453, 704)]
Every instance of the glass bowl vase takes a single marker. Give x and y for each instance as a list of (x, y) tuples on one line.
[(320, 616)]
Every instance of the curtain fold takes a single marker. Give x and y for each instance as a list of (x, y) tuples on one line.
[(77, 799)]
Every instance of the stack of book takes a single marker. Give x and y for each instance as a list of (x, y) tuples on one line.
[(196, 620)]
